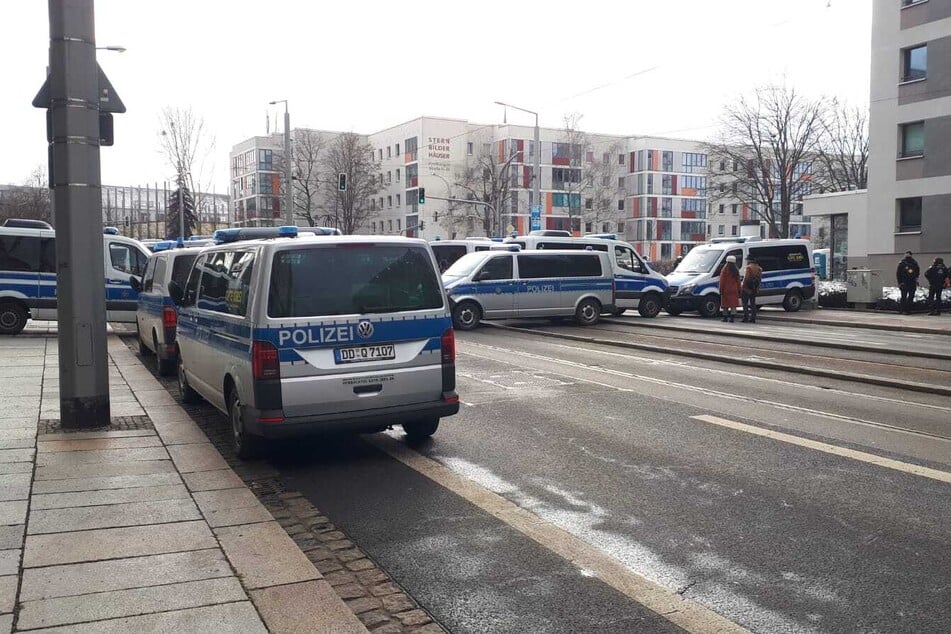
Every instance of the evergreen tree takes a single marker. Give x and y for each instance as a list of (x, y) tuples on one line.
[(172, 226)]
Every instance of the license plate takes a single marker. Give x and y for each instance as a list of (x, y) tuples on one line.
[(361, 354)]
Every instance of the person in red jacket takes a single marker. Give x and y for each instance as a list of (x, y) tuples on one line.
[(729, 288)]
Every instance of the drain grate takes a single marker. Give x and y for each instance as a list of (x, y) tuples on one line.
[(118, 423)]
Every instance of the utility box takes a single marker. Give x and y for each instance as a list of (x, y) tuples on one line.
[(864, 286)]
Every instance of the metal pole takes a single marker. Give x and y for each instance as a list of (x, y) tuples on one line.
[(288, 181), (77, 185), (181, 206), (536, 171)]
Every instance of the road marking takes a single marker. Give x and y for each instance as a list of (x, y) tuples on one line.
[(681, 611), (888, 463)]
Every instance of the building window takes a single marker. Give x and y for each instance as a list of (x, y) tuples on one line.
[(397, 175), (734, 208), (389, 152), (587, 227), (667, 160), (722, 166), (666, 185), (620, 227), (620, 159), (589, 203), (397, 200), (381, 154), (909, 214), (722, 207), (606, 181), (389, 178), (620, 204), (389, 201), (620, 182), (373, 227), (694, 162), (666, 207), (470, 147), (720, 229), (390, 225), (589, 157), (913, 139), (733, 230), (914, 63), (399, 226)]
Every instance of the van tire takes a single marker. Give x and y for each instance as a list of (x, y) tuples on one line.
[(466, 315), (185, 391), (13, 317), (166, 367), (709, 305), (588, 312), (793, 301), (650, 305), (246, 446), (420, 430)]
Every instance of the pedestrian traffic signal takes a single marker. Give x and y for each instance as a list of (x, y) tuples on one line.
[(422, 195), (342, 182)]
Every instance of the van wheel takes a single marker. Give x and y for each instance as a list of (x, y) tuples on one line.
[(187, 394), (709, 305), (143, 349), (793, 301), (649, 305), (246, 445), (466, 315), (419, 430), (588, 312), (166, 367), (13, 318)]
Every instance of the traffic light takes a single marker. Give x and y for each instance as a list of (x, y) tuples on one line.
[(342, 182), (422, 195)]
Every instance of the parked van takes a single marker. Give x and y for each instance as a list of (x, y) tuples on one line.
[(788, 274), (296, 335), (156, 315), (511, 283), (448, 251), (638, 285), (28, 276)]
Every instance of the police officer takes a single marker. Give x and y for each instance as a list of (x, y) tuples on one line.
[(937, 276), (907, 276)]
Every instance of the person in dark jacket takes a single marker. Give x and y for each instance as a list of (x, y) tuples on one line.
[(907, 275), (752, 277), (937, 276), (729, 288)]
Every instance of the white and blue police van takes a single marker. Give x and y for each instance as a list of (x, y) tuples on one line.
[(156, 314), (28, 276), (788, 274), (508, 283), (638, 285), (301, 334), (448, 251)]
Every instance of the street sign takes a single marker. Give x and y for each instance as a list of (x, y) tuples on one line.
[(109, 100), (509, 229), (536, 217)]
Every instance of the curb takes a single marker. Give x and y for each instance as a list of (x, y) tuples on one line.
[(767, 337), (855, 324), (767, 365)]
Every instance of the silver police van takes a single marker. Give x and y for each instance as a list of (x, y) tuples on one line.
[(295, 335), (510, 283)]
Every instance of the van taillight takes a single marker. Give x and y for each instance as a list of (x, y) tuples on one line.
[(265, 361), (169, 317), (449, 346)]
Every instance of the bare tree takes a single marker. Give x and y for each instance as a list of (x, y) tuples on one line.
[(567, 177), (600, 205), (30, 200), (188, 147), (486, 178), (309, 147), (769, 140), (843, 151), (352, 155)]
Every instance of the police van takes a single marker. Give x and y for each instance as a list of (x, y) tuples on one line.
[(638, 285), (295, 335), (28, 276), (788, 274), (510, 283), (156, 315), (448, 251)]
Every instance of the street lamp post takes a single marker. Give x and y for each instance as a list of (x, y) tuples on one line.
[(536, 169), (288, 182)]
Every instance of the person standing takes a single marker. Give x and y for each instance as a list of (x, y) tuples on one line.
[(937, 276), (907, 275), (752, 277), (729, 288)]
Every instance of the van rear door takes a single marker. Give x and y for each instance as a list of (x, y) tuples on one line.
[(122, 261)]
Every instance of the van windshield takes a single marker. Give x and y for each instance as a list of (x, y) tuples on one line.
[(699, 260), (351, 279), (465, 265)]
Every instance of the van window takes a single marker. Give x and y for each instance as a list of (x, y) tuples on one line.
[(349, 279), (191, 286), (626, 259), (239, 283), (536, 266), (738, 254), (154, 271), (699, 260), (573, 245), (126, 259), (781, 257), (47, 255), (214, 282), (20, 253), (497, 268), (181, 267), (446, 254)]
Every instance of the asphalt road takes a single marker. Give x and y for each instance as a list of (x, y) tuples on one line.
[(603, 449)]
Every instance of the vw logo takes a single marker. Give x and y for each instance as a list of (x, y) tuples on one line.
[(365, 329)]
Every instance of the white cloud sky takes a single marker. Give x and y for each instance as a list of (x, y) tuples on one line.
[(667, 67)]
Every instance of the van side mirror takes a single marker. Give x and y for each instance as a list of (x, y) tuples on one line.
[(136, 284), (176, 292)]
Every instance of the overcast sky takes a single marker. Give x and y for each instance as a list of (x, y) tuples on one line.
[(630, 67)]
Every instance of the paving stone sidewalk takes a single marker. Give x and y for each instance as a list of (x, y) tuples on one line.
[(138, 526)]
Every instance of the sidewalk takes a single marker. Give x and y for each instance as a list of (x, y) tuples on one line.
[(139, 527), (919, 323)]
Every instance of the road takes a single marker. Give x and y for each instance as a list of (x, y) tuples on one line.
[(591, 487)]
